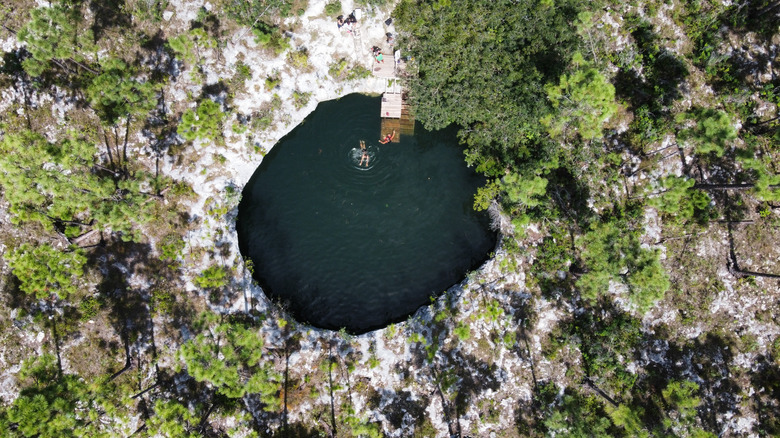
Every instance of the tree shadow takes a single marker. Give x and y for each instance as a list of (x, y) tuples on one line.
[(209, 22), (403, 409), (159, 58), (570, 195), (735, 70), (766, 382), (15, 298), (759, 16), (663, 73), (296, 430), (217, 89), (476, 376), (129, 311), (651, 92), (108, 13), (609, 339), (199, 398), (707, 362), (11, 70)]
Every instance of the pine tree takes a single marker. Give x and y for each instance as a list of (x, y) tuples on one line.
[(213, 277), (57, 184), (44, 271), (578, 416), (523, 190), (584, 100), (53, 35), (680, 199), (115, 94), (189, 45), (230, 356), (610, 253), (713, 132), (629, 418), (172, 419), (766, 181), (53, 405), (203, 123)]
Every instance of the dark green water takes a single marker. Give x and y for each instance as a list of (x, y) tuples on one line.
[(348, 246)]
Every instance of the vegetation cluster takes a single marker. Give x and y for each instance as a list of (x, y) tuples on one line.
[(630, 150)]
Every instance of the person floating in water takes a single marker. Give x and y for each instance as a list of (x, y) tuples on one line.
[(388, 138), (365, 153)]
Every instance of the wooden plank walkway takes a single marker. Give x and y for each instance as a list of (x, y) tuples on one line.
[(394, 112), (392, 103), (384, 69), (402, 126)]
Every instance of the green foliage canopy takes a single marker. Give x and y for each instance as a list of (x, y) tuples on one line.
[(53, 405), (609, 252), (714, 130), (172, 419), (680, 199), (584, 100), (189, 45), (55, 183), (578, 416), (482, 65), (205, 122), (45, 270), (53, 35), (230, 356), (115, 93), (766, 181), (212, 277), (522, 190)]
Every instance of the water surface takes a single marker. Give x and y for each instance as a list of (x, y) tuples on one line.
[(359, 247)]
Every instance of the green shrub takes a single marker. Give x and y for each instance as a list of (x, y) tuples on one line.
[(162, 302), (272, 82), (463, 332), (89, 308), (213, 277), (300, 99), (272, 38), (44, 271), (188, 46), (299, 59), (203, 123), (713, 132), (333, 8), (342, 70), (243, 72), (171, 247)]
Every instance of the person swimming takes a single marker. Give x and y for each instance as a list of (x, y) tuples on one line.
[(365, 153), (388, 138)]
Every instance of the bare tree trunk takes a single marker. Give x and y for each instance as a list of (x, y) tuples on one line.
[(128, 361), (56, 339), (108, 149), (124, 147), (704, 186), (733, 265), (598, 390)]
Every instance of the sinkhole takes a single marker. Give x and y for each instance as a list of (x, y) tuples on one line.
[(341, 243)]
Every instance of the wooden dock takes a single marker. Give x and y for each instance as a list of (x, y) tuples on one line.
[(392, 104), (385, 69), (394, 112), (402, 125)]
